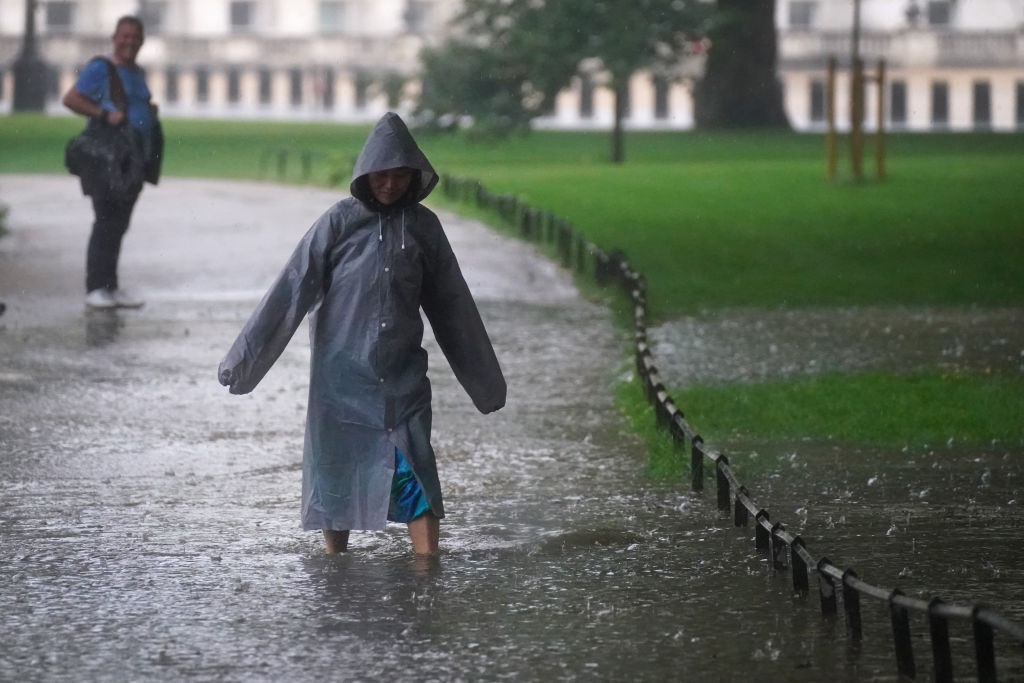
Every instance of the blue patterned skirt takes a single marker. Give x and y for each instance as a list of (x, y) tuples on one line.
[(407, 499)]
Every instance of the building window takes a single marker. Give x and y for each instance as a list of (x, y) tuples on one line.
[(940, 104), (912, 13), (202, 84), (801, 14), (586, 96), (362, 85), (982, 107), (234, 86), (817, 102), (266, 88), (898, 103), (52, 83), (334, 16), (325, 88), (940, 13), (243, 16), (419, 16), (661, 92), (172, 93), (60, 17), (295, 81), (153, 14), (1020, 104)]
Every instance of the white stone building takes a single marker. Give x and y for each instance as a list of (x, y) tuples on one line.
[(951, 64)]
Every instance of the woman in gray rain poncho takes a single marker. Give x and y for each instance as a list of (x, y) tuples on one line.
[(367, 266)]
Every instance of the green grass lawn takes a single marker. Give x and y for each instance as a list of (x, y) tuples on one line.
[(716, 221), (765, 229)]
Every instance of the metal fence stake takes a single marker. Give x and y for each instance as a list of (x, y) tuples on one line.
[(942, 658), (723, 483), (984, 648), (697, 464), (800, 582), (901, 636), (826, 590), (851, 603)]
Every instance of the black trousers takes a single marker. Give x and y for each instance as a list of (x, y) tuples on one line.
[(112, 218)]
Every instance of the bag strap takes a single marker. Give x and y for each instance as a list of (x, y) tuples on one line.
[(117, 93)]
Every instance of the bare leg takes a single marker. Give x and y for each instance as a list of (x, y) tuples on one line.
[(424, 532), (337, 541)]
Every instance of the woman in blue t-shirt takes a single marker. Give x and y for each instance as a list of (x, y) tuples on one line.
[(90, 96)]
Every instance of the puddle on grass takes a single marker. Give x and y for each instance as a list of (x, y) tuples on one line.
[(751, 346)]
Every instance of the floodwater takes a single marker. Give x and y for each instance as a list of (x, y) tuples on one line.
[(149, 521)]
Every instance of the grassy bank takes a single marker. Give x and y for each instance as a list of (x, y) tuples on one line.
[(720, 221)]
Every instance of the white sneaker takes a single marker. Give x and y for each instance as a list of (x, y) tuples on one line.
[(125, 300), (100, 298)]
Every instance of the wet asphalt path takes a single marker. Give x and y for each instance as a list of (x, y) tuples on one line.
[(149, 520)]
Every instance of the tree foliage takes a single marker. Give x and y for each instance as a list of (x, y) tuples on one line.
[(512, 57)]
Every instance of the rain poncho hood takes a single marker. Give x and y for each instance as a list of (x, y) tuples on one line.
[(391, 145), (366, 271)]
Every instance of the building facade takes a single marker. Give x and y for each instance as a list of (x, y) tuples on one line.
[(949, 64)]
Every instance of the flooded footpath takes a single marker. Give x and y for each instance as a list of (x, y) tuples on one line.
[(149, 520)]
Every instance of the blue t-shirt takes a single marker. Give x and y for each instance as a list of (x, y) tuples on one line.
[(94, 83)]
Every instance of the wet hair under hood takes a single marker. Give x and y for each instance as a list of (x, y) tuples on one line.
[(391, 145)]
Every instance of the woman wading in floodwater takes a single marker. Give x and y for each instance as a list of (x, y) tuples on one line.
[(366, 268)]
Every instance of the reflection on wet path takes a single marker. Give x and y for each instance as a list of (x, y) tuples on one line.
[(149, 521)]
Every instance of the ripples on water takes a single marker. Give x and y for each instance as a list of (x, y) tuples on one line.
[(149, 526)]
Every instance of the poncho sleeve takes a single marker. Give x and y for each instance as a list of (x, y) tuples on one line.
[(460, 331), (271, 326)]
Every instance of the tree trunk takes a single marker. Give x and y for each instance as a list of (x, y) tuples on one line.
[(618, 137), (740, 87)]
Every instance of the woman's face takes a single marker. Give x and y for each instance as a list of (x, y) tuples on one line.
[(391, 185), (128, 40)]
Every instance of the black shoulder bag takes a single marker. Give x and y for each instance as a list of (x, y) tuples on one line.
[(107, 159)]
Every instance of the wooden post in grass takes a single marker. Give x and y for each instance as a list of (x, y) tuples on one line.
[(856, 99), (880, 132), (830, 120), (857, 120)]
